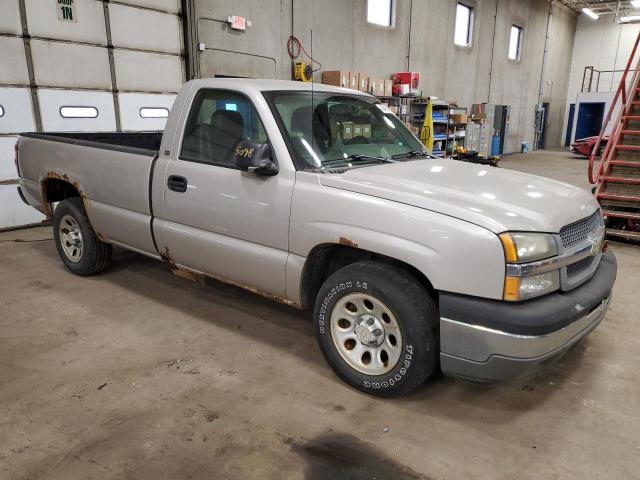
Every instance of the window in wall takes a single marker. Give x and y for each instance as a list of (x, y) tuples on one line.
[(380, 12), (78, 112), (154, 112), (515, 42), (464, 19), (218, 120)]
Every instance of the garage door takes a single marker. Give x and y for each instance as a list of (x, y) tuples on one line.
[(83, 65)]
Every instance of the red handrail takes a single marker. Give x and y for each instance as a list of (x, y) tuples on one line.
[(613, 139)]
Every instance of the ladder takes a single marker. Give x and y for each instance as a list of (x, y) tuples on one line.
[(617, 176)]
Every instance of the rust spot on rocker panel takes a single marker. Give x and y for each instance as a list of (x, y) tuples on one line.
[(181, 272), (200, 278), (347, 241)]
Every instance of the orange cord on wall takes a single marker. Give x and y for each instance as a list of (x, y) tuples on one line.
[(294, 48)]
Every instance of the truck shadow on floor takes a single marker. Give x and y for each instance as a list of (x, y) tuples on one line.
[(291, 330), (341, 456)]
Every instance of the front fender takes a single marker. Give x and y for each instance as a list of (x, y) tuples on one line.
[(456, 256)]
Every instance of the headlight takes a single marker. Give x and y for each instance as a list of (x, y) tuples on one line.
[(527, 247), (521, 247)]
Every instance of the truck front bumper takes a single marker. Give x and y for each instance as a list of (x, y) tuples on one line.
[(486, 341)]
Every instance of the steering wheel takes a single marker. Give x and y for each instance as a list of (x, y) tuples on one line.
[(360, 140)]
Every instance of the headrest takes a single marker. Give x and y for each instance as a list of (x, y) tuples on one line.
[(227, 120), (301, 120)]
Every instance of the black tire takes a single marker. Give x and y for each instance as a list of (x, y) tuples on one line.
[(415, 314), (95, 254)]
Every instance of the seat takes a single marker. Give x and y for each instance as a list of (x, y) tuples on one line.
[(301, 122), (313, 130), (227, 128), (215, 142)]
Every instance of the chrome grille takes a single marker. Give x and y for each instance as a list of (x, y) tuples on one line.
[(577, 232), (575, 269)]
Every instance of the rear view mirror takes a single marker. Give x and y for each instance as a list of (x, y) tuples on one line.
[(254, 157)]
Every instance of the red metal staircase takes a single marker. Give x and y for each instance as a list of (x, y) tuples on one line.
[(617, 176)]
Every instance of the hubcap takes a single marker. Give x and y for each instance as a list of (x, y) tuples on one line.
[(366, 333), (71, 238)]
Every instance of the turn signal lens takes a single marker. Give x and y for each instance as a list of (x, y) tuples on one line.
[(512, 289), (510, 251)]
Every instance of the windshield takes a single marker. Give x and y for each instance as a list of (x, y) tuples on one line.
[(338, 130)]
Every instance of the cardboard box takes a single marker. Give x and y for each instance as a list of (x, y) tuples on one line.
[(347, 130), (376, 87), (354, 80), (366, 130), (373, 85), (459, 117), (388, 88), (357, 130), (338, 78), (363, 82)]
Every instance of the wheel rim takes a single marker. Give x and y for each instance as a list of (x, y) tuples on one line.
[(366, 334), (71, 238)]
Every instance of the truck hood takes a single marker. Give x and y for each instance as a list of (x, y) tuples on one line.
[(494, 198)]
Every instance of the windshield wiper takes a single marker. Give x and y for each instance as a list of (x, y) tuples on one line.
[(410, 154), (355, 158)]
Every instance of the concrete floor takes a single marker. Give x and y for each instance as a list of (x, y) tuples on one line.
[(137, 374)]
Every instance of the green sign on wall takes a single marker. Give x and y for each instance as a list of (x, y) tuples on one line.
[(66, 10)]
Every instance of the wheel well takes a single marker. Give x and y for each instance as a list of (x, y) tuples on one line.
[(56, 190), (326, 259)]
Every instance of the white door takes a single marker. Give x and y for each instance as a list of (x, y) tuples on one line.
[(64, 78)]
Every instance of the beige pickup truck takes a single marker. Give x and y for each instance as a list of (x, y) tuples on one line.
[(321, 198)]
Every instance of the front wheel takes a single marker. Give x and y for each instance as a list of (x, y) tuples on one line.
[(377, 328), (80, 249)]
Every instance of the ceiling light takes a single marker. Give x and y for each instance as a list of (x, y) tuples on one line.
[(635, 3), (590, 13), (630, 18)]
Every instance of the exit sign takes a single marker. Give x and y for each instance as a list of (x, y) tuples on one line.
[(237, 23), (66, 10)]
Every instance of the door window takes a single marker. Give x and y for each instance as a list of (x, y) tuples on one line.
[(218, 121)]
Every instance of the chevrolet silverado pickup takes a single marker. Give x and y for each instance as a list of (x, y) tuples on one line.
[(321, 198)]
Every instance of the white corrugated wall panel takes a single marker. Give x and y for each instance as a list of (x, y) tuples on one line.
[(7, 158), (42, 19), (10, 17), (131, 105), (14, 211), (51, 101), (144, 29), (148, 71), (172, 6), (18, 114), (58, 64), (13, 63)]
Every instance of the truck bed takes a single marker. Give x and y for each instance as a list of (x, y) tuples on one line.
[(132, 142), (111, 172)]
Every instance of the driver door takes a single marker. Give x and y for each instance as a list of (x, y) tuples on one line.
[(217, 219)]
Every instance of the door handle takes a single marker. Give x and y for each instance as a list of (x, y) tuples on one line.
[(177, 183)]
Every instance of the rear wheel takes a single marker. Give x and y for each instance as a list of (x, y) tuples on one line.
[(82, 252), (376, 326)]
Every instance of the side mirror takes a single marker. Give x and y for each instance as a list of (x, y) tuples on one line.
[(254, 157)]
